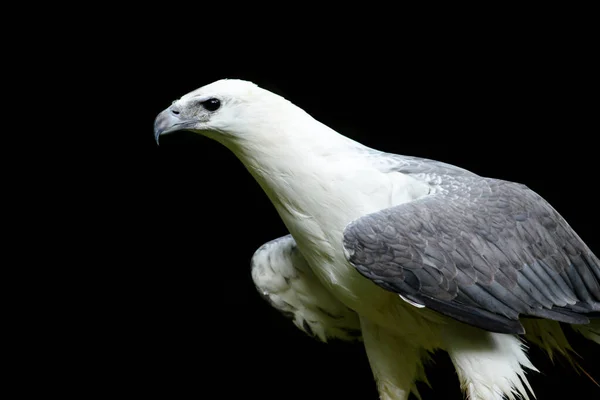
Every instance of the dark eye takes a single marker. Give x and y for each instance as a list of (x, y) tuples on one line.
[(212, 104)]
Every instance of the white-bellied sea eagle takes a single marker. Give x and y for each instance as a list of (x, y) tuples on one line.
[(408, 254)]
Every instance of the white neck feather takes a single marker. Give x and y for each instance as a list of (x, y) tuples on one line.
[(319, 181), (310, 172)]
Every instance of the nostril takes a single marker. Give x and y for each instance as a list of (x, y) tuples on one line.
[(175, 111)]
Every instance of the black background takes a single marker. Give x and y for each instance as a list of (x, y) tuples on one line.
[(179, 315)]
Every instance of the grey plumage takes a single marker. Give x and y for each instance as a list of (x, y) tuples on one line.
[(483, 251)]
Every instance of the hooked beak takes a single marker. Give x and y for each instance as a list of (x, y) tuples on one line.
[(170, 121)]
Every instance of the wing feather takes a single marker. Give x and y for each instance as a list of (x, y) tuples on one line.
[(483, 251), (282, 276)]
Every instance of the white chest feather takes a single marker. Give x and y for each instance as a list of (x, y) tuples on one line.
[(317, 202), (320, 181)]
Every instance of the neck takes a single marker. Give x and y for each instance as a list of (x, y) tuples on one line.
[(319, 181), (283, 154), (308, 169)]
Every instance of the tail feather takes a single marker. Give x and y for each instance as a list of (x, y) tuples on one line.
[(591, 331), (548, 335)]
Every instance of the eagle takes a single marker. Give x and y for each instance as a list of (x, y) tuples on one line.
[(405, 254)]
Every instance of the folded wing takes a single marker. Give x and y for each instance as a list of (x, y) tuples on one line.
[(482, 251)]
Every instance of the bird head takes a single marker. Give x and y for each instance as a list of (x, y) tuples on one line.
[(228, 110)]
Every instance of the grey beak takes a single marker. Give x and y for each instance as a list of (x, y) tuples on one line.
[(163, 122), (169, 121)]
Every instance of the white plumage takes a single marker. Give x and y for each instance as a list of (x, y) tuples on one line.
[(320, 182), (285, 280)]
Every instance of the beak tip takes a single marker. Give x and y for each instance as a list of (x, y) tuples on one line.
[(166, 122)]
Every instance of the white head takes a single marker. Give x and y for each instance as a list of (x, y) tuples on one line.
[(229, 111)]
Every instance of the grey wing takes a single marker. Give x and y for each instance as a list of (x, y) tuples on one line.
[(283, 277), (482, 251)]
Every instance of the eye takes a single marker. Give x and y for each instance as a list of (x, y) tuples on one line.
[(211, 104)]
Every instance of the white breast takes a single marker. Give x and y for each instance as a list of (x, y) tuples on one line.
[(317, 210)]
